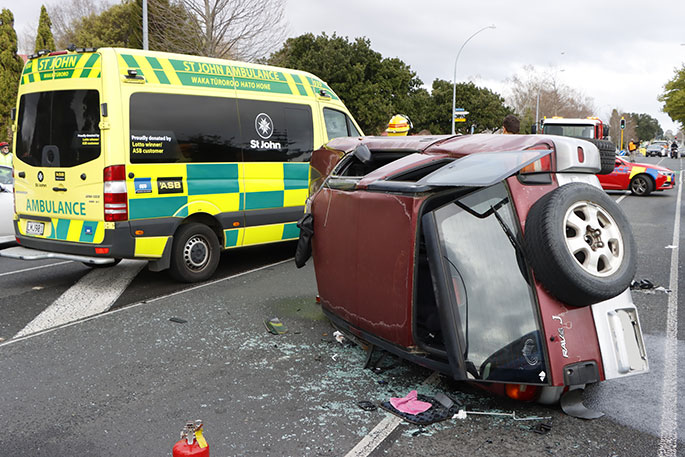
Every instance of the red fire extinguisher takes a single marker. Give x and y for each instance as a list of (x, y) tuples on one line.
[(192, 443)]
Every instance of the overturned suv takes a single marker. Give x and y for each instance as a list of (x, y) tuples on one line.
[(495, 259)]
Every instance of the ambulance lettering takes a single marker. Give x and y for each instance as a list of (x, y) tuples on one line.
[(50, 206)]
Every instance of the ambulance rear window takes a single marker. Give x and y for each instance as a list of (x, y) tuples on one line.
[(58, 128)]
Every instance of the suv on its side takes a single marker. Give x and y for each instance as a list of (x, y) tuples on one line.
[(495, 259)]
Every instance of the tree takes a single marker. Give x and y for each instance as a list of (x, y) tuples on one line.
[(236, 29), (486, 108), (673, 97), (647, 127), (44, 39), (67, 14), (373, 88), (555, 98), (10, 72)]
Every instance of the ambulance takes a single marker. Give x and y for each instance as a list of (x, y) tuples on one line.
[(131, 154)]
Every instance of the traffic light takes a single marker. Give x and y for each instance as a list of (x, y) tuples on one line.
[(623, 123)]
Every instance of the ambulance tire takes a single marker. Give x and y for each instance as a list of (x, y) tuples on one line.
[(607, 154), (580, 245), (102, 265), (195, 253)]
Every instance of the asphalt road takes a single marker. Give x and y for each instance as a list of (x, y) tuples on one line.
[(125, 381)]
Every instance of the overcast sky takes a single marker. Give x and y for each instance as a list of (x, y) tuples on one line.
[(618, 53)]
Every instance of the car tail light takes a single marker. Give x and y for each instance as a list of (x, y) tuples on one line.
[(522, 392), (541, 165), (116, 198), (102, 250)]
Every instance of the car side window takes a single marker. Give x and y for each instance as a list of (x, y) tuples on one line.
[(338, 124)]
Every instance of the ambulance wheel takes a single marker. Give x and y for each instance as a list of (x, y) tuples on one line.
[(580, 245), (102, 265), (195, 253)]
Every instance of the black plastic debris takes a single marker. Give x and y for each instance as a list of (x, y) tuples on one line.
[(366, 405), (436, 413), (572, 404), (275, 326), (643, 284), (542, 428), (178, 320)]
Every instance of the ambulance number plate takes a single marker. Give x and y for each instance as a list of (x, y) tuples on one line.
[(34, 228)]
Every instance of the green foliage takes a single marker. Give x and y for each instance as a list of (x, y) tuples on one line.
[(44, 39), (373, 88), (647, 127), (486, 108), (10, 72), (674, 96), (121, 26)]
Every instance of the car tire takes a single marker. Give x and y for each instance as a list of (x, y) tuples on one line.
[(641, 185), (607, 154), (580, 245), (195, 253), (102, 265)]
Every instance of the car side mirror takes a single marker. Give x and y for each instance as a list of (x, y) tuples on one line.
[(362, 153)]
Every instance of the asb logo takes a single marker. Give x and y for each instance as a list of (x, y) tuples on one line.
[(264, 125)]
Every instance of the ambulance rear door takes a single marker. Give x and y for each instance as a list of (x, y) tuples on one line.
[(59, 158)]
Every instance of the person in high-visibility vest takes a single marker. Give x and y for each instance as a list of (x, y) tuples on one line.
[(632, 150), (5, 154), (399, 125)]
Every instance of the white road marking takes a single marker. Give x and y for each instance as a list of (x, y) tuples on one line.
[(668, 439), (17, 339), (34, 268), (622, 197), (384, 428), (93, 294)]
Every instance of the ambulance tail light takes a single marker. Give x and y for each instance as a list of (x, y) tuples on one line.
[(116, 198)]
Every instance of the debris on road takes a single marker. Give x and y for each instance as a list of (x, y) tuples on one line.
[(275, 326), (436, 412), (339, 337), (542, 428), (366, 405), (178, 320)]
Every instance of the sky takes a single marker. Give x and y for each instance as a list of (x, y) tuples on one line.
[(620, 54)]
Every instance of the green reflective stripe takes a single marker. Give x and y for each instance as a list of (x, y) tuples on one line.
[(161, 76), (215, 178), (92, 60), (130, 61), (290, 230), (301, 85), (145, 208), (31, 79), (62, 229), (88, 226), (231, 237), (261, 200), (154, 63), (296, 175)]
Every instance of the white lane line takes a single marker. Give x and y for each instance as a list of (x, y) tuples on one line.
[(93, 294), (668, 439), (17, 339), (622, 197), (384, 428), (34, 268)]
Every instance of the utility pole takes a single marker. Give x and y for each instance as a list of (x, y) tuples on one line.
[(145, 43)]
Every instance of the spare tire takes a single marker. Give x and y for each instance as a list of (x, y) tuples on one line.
[(580, 245), (607, 154)]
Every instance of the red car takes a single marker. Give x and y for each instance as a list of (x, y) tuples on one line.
[(640, 178), (494, 259)]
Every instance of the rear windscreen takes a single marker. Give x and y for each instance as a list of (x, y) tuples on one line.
[(59, 128)]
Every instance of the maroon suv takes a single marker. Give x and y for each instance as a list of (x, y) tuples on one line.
[(495, 259)]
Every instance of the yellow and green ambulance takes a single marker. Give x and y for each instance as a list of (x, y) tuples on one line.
[(122, 153)]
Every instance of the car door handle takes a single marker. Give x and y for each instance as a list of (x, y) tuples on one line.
[(59, 189)]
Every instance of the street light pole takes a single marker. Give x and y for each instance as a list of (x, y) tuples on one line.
[(454, 78), (145, 40)]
